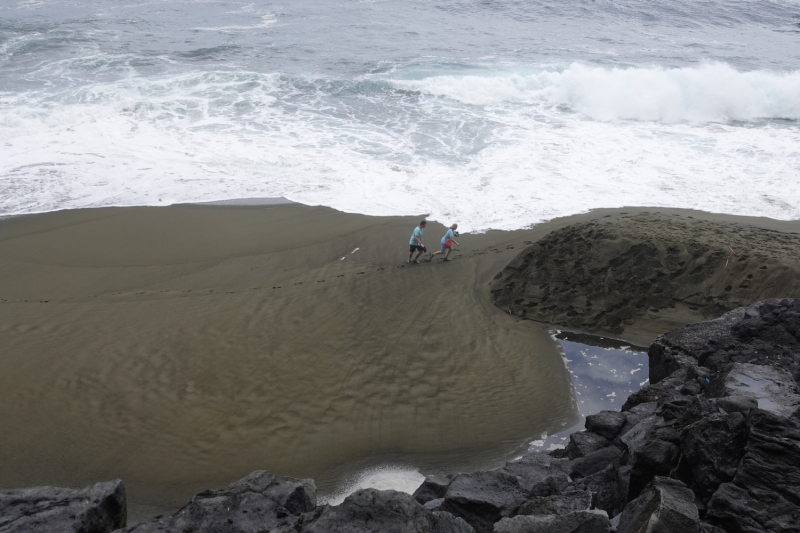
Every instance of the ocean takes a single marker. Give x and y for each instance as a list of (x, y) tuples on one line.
[(493, 114)]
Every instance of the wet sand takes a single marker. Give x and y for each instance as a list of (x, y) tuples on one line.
[(180, 348)]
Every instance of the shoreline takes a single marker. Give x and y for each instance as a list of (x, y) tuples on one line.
[(141, 285)]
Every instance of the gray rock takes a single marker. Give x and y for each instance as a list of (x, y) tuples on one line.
[(582, 443), (447, 523), (261, 501), (387, 511), (595, 462), (713, 448), (773, 389), (607, 424), (578, 500), (483, 498), (433, 504), (764, 494), (665, 506), (636, 437), (432, 488), (735, 404), (98, 508), (537, 471), (575, 522), (606, 488)]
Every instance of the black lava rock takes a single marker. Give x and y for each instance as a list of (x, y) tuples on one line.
[(98, 508)]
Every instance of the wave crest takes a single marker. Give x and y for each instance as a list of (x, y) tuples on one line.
[(708, 93)]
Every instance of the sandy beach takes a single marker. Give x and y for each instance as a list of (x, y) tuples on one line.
[(180, 348)]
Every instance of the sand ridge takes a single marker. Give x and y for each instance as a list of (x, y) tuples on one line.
[(640, 273)]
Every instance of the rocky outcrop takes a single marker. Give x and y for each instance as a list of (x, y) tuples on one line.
[(99, 508), (609, 274), (263, 502), (712, 444), (258, 502), (388, 511)]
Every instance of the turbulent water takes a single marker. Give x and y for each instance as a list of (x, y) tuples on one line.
[(495, 114)]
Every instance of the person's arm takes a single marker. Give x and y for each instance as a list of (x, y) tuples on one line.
[(453, 238)]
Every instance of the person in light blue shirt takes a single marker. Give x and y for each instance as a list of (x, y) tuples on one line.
[(447, 242), (416, 244)]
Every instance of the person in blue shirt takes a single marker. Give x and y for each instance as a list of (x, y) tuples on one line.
[(416, 244), (447, 243)]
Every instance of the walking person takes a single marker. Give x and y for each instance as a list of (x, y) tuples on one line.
[(447, 243), (416, 244)]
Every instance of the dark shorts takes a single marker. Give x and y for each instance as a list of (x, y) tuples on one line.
[(416, 248)]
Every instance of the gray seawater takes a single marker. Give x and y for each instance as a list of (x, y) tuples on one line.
[(498, 114)]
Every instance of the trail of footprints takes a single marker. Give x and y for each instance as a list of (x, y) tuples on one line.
[(210, 291)]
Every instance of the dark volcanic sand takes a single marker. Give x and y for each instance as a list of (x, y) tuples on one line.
[(638, 275), (181, 348)]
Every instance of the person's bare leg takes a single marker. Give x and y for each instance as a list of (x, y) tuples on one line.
[(447, 255), (409, 257), (416, 259)]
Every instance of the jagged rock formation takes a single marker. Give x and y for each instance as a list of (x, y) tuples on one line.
[(98, 508), (262, 502), (712, 444), (259, 502), (609, 274)]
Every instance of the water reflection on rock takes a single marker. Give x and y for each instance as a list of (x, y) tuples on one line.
[(604, 372)]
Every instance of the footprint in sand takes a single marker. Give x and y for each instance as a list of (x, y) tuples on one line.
[(279, 287), (321, 281), (299, 283), (340, 276), (359, 272)]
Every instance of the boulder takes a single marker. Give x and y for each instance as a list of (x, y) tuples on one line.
[(713, 447), (607, 424), (764, 494), (582, 443), (433, 488), (570, 501), (606, 488), (575, 522), (483, 498), (773, 389), (261, 501), (388, 511), (539, 473), (665, 506), (595, 462), (447, 523), (98, 508)]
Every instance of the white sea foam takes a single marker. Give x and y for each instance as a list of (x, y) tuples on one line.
[(399, 478), (203, 136), (712, 92), (264, 21)]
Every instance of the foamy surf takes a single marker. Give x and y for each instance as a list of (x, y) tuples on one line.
[(203, 136), (713, 92), (388, 477)]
